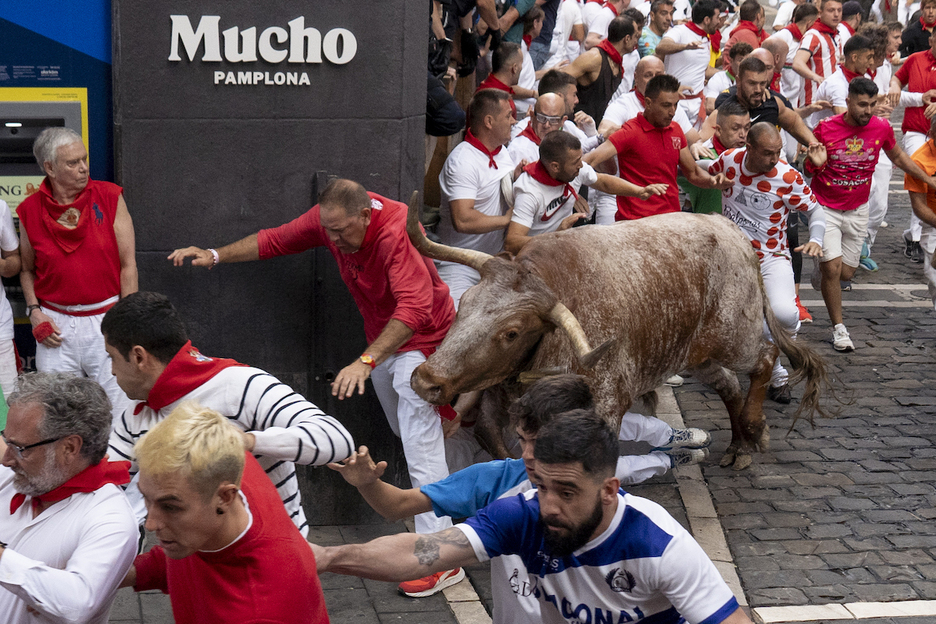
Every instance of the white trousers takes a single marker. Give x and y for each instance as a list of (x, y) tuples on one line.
[(633, 469), (877, 203), (458, 278), (781, 293), (639, 428), (417, 424), (82, 353), (7, 366), (928, 243), (692, 108), (912, 142)]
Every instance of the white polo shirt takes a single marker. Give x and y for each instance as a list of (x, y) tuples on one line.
[(688, 66), (541, 207)]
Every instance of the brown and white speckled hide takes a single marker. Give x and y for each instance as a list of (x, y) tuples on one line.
[(677, 292)]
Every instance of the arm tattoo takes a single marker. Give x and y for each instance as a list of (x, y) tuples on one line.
[(428, 546)]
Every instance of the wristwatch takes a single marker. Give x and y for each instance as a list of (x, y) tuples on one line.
[(30, 309), (369, 360)]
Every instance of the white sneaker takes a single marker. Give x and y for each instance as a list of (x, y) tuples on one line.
[(691, 437), (686, 457), (840, 339)]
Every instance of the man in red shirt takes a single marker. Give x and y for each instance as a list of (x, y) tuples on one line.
[(918, 74), (74, 226), (227, 550), (406, 307), (649, 148)]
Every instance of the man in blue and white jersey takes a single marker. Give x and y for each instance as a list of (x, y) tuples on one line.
[(588, 551)]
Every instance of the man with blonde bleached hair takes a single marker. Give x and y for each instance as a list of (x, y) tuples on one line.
[(227, 550)]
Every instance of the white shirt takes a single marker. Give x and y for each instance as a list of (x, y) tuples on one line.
[(784, 15), (843, 35), (527, 80), (541, 207), (643, 565), (589, 12), (8, 242), (833, 89), (287, 428), (626, 108), (466, 175), (560, 48), (588, 142), (688, 66), (791, 83), (601, 22), (522, 148), (682, 10), (66, 562), (721, 81)]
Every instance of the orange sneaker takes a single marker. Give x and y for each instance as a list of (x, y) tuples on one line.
[(434, 583), (804, 315)]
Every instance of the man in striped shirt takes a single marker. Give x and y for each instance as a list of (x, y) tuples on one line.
[(819, 50), (157, 366)]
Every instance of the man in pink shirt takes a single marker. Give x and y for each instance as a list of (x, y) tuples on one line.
[(407, 311), (853, 141)]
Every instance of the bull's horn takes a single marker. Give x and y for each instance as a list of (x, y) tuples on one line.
[(562, 317), (469, 257)]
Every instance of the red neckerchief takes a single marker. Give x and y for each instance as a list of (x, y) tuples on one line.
[(493, 82), (820, 27), (613, 54), (528, 39), (538, 172), (872, 73), (795, 31), (692, 26), (849, 75), (613, 10), (530, 134), (641, 98), (775, 83), (925, 25), (68, 239), (716, 40), (90, 479), (851, 31), (187, 370), (717, 145), (473, 141), (746, 25), (595, 1)]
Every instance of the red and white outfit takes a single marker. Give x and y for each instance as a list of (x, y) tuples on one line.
[(287, 428), (542, 202), (918, 73), (527, 78), (67, 562), (562, 47), (845, 32), (637, 139), (834, 90), (791, 83), (493, 82), (843, 184), (525, 146), (822, 44), (760, 205), (590, 10), (471, 172), (602, 20), (389, 280), (8, 242), (689, 67), (619, 112), (267, 574), (77, 278)]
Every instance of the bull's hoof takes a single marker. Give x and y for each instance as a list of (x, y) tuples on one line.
[(727, 459), (742, 461)]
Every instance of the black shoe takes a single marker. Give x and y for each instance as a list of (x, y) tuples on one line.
[(908, 247), (780, 395), (916, 254)]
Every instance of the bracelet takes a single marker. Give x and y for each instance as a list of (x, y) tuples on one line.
[(30, 309), (369, 360), (215, 258)]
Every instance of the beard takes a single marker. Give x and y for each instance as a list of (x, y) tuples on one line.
[(562, 545), (49, 478)]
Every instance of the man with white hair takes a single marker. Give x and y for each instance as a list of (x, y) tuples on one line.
[(70, 530), (74, 226)]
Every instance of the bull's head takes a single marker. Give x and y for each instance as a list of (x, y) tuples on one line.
[(499, 322)]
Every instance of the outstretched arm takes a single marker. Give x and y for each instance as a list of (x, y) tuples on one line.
[(900, 158), (697, 176), (400, 557), (244, 250), (389, 501), (614, 185)]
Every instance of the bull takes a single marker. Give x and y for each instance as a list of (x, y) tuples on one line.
[(660, 295)]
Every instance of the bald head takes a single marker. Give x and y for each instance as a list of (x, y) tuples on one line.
[(763, 133), (550, 104), (778, 48), (647, 68), (766, 56)]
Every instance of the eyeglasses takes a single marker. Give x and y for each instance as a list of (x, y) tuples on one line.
[(546, 119), (20, 450)]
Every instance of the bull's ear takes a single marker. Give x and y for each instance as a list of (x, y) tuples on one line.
[(562, 317)]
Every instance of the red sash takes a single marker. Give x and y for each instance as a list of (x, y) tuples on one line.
[(538, 172), (530, 134), (613, 10), (694, 28), (795, 31), (90, 479)]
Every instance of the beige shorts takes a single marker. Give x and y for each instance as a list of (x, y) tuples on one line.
[(845, 232)]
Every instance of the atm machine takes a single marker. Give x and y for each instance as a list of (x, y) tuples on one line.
[(55, 70)]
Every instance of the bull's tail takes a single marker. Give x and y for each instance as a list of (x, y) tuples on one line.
[(806, 363)]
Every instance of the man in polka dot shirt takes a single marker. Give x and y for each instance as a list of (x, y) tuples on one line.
[(765, 191)]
